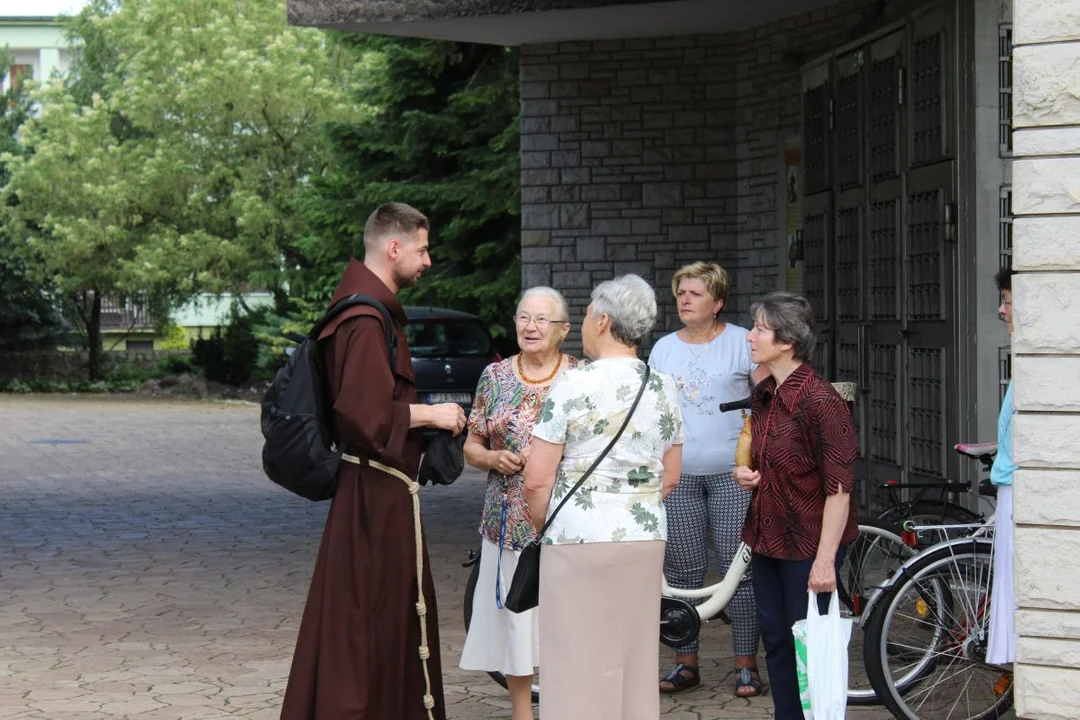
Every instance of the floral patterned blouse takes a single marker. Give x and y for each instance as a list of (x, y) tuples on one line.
[(504, 412), (621, 499)]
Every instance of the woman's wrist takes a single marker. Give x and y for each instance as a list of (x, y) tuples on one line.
[(826, 554)]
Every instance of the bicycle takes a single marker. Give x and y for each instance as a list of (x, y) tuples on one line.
[(922, 510), (868, 565), (927, 632)]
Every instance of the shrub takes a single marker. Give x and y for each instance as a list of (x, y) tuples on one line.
[(18, 386), (176, 338), (174, 365), (230, 354), (130, 372)]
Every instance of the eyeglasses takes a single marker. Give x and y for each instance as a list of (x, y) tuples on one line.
[(542, 321)]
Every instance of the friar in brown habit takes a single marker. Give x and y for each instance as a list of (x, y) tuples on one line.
[(361, 653)]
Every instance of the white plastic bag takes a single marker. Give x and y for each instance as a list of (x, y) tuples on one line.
[(826, 639)]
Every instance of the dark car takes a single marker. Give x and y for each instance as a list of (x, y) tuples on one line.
[(449, 351)]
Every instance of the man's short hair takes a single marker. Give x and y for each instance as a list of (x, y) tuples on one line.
[(1003, 278), (392, 219)]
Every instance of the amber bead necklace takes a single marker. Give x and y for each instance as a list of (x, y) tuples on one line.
[(541, 381)]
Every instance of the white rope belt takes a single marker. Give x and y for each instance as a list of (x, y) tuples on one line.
[(421, 606)]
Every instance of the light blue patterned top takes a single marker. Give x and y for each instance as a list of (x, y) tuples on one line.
[(1002, 471), (707, 375)]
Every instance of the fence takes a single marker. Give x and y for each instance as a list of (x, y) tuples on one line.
[(56, 365)]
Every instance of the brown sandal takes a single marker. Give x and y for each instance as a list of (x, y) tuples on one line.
[(679, 681)]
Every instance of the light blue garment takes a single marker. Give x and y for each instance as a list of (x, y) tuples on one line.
[(1002, 471), (707, 375)]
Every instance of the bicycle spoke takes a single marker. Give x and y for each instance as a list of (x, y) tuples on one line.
[(932, 642), (944, 680)]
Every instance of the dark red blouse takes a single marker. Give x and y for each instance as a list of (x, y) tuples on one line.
[(805, 447)]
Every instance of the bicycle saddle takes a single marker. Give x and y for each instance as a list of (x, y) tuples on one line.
[(977, 450)]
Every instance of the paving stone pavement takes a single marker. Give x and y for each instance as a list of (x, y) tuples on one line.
[(149, 570)]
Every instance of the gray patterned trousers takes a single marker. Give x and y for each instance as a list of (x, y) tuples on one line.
[(703, 504)]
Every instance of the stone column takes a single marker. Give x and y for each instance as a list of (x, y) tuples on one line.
[(1046, 347)]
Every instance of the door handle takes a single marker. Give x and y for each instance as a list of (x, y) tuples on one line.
[(950, 222), (863, 357)]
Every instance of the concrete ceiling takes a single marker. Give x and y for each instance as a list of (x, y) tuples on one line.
[(653, 19)]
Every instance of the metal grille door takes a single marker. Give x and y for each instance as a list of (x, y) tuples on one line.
[(879, 232)]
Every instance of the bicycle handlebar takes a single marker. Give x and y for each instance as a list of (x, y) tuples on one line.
[(743, 404), (845, 389)]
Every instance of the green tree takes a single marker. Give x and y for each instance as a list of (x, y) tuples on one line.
[(28, 318), (171, 161), (442, 135)]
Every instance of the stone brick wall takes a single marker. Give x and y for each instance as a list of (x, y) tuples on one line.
[(642, 155), (1046, 347), (628, 161), (768, 114)]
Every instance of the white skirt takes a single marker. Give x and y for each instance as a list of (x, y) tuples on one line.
[(1001, 648), (499, 640)]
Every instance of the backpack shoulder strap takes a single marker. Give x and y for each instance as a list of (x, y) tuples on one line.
[(357, 300)]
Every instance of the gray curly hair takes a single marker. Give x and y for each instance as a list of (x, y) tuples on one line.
[(630, 303)]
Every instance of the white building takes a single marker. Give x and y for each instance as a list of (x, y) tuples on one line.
[(36, 46)]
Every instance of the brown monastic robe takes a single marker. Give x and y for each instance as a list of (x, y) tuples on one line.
[(357, 654)]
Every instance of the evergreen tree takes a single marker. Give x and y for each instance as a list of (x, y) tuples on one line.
[(28, 318), (441, 134)]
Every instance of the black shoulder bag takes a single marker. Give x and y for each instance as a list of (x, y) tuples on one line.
[(524, 593)]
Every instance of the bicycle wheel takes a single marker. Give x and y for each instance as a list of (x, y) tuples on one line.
[(869, 563), (926, 638), (467, 608), (930, 512)]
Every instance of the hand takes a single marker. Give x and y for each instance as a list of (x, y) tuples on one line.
[(448, 416), (822, 576), (506, 462), (666, 488), (748, 479), (524, 455)]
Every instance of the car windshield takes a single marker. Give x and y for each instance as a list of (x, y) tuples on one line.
[(442, 338)]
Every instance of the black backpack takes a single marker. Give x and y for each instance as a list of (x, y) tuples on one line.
[(299, 453)]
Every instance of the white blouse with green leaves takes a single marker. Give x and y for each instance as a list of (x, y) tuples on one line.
[(621, 500)]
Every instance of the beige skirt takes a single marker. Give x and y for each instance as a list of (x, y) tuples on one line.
[(600, 614)]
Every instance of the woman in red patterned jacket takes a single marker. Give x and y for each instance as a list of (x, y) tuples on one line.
[(801, 517)]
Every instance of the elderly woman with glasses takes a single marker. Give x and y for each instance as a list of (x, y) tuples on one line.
[(801, 517), (602, 562), (507, 404)]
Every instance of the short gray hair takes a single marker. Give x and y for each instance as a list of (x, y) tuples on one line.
[(791, 319), (630, 303), (546, 292)]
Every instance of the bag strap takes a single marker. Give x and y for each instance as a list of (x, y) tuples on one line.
[(351, 301), (599, 459)]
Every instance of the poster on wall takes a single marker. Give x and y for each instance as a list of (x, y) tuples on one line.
[(793, 218)]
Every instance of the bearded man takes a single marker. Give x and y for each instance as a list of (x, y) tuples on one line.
[(368, 647)]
